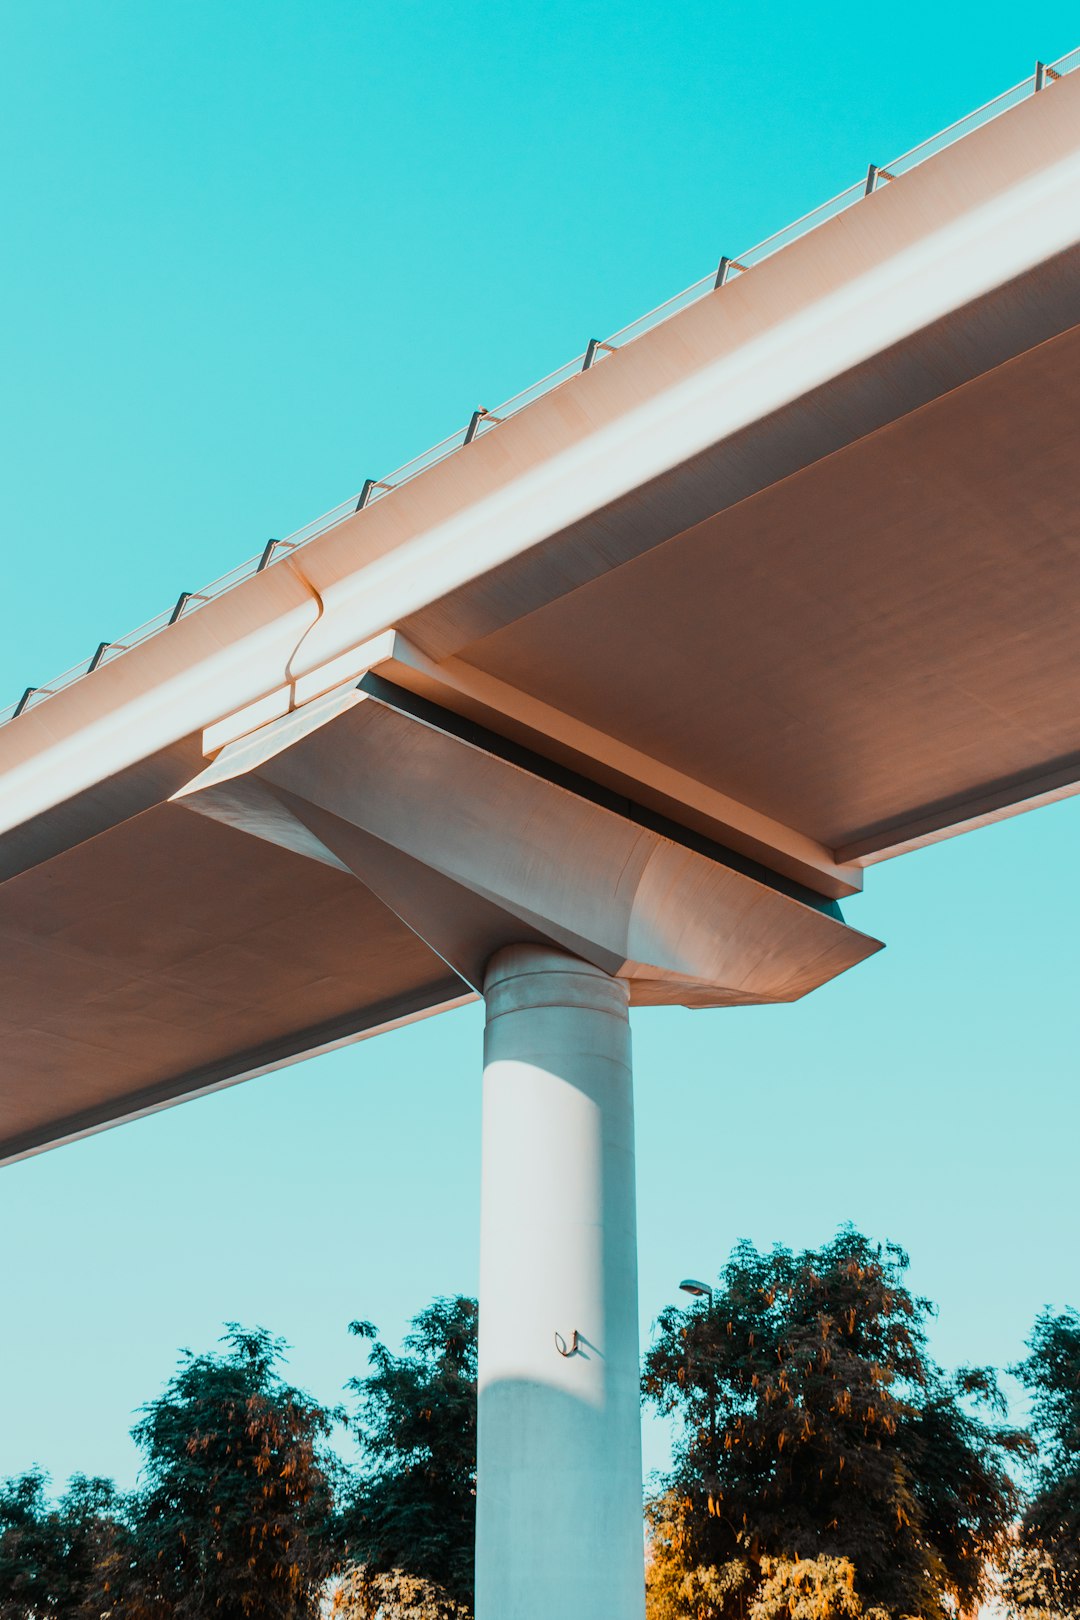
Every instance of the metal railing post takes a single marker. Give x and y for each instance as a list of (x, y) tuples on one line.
[(595, 346), (481, 414)]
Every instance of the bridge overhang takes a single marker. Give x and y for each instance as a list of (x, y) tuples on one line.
[(783, 587)]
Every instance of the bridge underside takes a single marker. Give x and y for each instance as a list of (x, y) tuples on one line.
[(664, 733), (880, 644), (189, 954), (348, 868)]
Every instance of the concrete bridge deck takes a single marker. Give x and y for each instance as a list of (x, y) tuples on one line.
[(782, 587)]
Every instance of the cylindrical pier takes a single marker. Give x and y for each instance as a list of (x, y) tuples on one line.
[(559, 1516)]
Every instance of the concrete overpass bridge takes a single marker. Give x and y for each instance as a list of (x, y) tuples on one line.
[(608, 701)]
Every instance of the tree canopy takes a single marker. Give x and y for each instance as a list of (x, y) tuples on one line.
[(364, 1594), (814, 1427), (412, 1516), (1045, 1574), (825, 1468), (235, 1514), (60, 1559)]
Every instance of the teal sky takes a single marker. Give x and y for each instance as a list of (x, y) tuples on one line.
[(255, 253)]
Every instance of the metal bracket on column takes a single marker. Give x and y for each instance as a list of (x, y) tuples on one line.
[(561, 1346)]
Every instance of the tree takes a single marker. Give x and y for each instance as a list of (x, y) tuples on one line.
[(1044, 1576), (362, 1594), (816, 1429), (235, 1518), (60, 1560), (412, 1521)]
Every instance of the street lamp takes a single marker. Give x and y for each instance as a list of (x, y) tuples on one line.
[(702, 1290)]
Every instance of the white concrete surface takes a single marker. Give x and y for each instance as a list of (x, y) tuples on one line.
[(559, 1526)]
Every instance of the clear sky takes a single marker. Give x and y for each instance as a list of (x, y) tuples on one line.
[(254, 253)]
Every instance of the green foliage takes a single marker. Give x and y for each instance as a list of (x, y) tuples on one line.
[(60, 1560), (413, 1514), (236, 1513), (1031, 1587), (677, 1588), (1044, 1577), (806, 1589), (363, 1595), (774, 1589), (814, 1426)]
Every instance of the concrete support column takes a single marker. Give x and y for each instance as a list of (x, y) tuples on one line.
[(559, 1521)]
